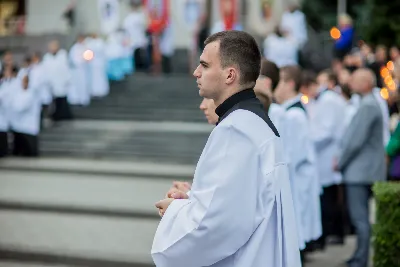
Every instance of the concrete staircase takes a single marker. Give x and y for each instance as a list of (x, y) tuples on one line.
[(148, 98), (151, 119), (74, 212)]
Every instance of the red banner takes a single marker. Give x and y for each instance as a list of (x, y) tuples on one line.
[(158, 11)]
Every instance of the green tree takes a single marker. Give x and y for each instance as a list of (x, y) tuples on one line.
[(381, 23)]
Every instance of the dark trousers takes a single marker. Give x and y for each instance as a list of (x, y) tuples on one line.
[(25, 145), (358, 206), (333, 213), (3, 144), (166, 64), (62, 110), (141, 59)]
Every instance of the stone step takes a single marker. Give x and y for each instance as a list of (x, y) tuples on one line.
[(85, 194), (119, 168), (151, 98), (29, 259), (168, 142), (121, 241), (144, 114), (61, 217)]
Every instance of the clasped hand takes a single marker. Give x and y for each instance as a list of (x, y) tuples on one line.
[(177, 191)]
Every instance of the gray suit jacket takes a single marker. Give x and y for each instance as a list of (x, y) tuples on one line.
[(362, 158)]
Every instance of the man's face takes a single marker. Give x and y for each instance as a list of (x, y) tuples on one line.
[(8, 58), (209, 73), (312, 90), (53, 47), (394, 53), (323, 81), (208, 107), (263, 86), (380, 55), (344, 77)]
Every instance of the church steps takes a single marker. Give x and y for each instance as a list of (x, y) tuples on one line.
[(123, 169)]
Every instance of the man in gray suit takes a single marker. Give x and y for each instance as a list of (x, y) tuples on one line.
[(361, 161)]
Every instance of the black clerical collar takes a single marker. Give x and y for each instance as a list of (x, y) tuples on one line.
[(229, 103)]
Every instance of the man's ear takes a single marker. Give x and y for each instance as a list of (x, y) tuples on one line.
[(231, 75)]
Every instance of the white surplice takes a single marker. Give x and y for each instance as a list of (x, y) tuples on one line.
[(240, 209), (99, 84), (25, 107), (300, 152), (135, 24), (296, 25), (38, 80), (280, 50), (7, 89), (328, 127), (79, 93), (58, 73)]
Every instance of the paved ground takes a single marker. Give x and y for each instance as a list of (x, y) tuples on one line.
[(334, 256)]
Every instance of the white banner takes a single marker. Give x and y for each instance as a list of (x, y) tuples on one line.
[(109, 12)]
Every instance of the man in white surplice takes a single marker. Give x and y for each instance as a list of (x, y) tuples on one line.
[(300, 152), (328, 128), (239, 211), (79, 93)]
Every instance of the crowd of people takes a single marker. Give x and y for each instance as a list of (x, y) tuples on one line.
[(338, 129), (43, 89)]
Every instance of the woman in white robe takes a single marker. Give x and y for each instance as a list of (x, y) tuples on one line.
[(79, 93), (99, 84)]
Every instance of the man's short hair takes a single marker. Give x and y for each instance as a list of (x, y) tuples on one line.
[(239, 49), (270, 69), (292, 73), (308, 78), (332, 77)]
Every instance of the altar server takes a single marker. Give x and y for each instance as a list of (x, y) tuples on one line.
[(239, 211), (59, 75), (299, 148), (266, 84), (79, 55), (328, 127), (7, 87), (98, 81), (25, 108)]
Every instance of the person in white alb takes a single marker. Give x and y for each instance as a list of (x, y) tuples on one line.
[(300, 152), (239, 211), (99, 85), (59, 75), (79, 93), (25, 108), (266, 84), (328, 127), (7, 85)]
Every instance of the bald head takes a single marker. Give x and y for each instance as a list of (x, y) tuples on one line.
[(363, 81)]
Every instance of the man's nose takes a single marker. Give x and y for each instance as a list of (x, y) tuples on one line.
[(196, 73)]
